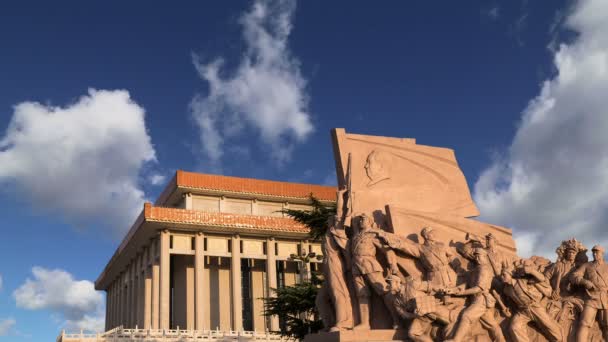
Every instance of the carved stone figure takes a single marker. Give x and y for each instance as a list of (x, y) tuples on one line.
[(559, 273), (481, 300), (593, 276), (415, 301), (367, 271), (526, 286), (566, 302), (336, 264), (497, 259), (434, 256), (450, 288), (377, 167)]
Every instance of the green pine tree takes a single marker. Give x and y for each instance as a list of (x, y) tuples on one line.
[(295, 305)]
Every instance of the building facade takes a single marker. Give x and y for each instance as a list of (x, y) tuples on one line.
[(205, 254)]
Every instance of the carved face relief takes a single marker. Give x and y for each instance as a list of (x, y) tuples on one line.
[(377, 166), (506, 276), (365, 222), (570, 255), (430, 236), (490, 243), (598, 255)]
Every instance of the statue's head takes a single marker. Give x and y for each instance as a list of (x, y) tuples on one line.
[(490, 241), (598, 253), (480, 255), (506, 275), (377, 165), (365, 222), (570, 254), (428, 234), (569, 249)]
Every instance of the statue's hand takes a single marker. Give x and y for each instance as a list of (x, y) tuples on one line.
[(528, 269), (394, 269), (452, 290), (589, 285)]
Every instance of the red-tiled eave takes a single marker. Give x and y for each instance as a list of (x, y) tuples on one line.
[(157, 216), (253, 186), (257, 223)]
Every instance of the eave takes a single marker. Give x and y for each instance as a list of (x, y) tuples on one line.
[(153, 219)]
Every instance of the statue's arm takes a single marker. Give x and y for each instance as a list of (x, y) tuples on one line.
[(578, 277), (401, 243), (544, 287), (340, 203), (391, 257)]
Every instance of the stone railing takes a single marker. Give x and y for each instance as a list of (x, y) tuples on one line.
[(174, 335)]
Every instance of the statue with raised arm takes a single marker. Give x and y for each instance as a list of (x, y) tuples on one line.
[(416, 302), (434, 256), (480, 301), (566, 303), (526, 287), (593, 277), (333, 300), (367, 272)]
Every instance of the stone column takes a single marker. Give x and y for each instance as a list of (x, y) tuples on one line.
[(140, 290), (117, 304), (165, 272), (237, 299), (126, 297), (109, 296), (271, 275), (130, 293), (135, 291), (108, 305), (155, 285), (114, 300), (304, 267), (148, 288), (188, 201), (199, 280), (121, 299)]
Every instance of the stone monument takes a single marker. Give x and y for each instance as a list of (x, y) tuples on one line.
[(406, 260)]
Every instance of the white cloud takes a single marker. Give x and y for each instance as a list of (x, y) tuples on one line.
[(75, 301), (266, 93), (492, 12), (82, 160), (6, 325), (552, 183), (157, 179)]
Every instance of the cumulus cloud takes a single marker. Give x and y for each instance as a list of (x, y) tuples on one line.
[(157, 179), (552, 183), (83, 160), (492, 12), (76, 302), (6, 325), (265, 94)]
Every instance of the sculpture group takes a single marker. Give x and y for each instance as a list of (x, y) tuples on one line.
[(470, 288), (460, 296)]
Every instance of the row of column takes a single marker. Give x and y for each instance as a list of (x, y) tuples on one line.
[(133, 297), (140, 296)]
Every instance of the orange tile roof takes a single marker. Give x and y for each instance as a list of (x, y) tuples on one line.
[(247, 185), (267, 223)]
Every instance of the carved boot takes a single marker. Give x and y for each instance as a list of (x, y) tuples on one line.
[(463, 328), (363, 314), (389, 301)]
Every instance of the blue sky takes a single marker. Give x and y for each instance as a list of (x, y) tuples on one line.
[(102, 102)]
